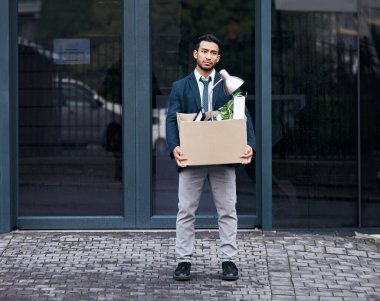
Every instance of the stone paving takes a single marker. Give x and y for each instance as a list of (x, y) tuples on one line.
[(139, 266)]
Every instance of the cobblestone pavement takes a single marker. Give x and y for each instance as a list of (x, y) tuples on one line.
[(139, 266)]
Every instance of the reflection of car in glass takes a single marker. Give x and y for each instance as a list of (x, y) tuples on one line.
[(158, 130), (86, 117), (159, 113)]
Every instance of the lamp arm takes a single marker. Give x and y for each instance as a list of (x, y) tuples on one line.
[(216, 83), (210, 98)]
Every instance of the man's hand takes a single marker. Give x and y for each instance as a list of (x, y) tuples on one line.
[(247, 156), (177, 154)]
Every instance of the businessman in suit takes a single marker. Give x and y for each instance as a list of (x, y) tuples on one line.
[(189, 95)]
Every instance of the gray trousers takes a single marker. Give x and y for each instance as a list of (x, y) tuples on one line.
[(222, 180)]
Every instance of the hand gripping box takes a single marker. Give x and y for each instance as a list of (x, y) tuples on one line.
[(211, 142)]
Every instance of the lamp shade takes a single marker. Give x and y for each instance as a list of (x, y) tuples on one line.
[(231, 83)]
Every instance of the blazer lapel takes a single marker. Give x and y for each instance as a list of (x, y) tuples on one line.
[(218, 92), (194, 88)]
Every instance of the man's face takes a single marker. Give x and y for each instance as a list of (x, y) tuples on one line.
[(207, 55)]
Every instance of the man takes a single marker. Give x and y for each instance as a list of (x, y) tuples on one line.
[(189, 95)]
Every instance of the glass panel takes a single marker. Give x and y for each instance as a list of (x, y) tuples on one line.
[(175, 26), (369, 29), (315, 157), (70, 107)]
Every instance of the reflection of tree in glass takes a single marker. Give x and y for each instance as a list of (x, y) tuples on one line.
[(72, 18), (311, 59), (182, 22), (98, 21)]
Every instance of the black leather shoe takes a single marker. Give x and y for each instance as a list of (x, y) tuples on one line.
[(182, 272), (230, 271)]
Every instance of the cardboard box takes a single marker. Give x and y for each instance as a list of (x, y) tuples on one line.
[(211, 142)]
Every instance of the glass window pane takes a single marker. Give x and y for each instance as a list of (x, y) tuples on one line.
[(175, 26), (369, 29), (315, 146), (70, 107)]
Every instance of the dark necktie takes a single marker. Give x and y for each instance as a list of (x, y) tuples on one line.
[(205, 93)]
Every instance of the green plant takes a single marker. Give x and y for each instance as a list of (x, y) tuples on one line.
[(227, 111)]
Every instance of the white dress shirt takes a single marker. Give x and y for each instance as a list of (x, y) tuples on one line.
[(201, 85)]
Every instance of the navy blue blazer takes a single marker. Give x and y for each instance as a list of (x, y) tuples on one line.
[(185, 98)]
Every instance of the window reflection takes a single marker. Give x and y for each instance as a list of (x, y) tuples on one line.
[(315, 150), (70, 108), (175, 26), (315, 145), (369, 29)]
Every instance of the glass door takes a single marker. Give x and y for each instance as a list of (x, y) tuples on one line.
[(175, 26), (92, 91), (70, 121)]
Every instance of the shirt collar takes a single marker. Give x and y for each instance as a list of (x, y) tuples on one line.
[(198, 75)]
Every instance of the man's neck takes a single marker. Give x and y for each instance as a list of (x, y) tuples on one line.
[(204, 73)]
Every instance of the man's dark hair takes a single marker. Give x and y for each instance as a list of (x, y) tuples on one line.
[(208, 38)]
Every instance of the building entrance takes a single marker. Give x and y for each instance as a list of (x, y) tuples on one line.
[(91, 127)]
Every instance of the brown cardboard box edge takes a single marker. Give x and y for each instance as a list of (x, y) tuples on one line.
[(211, 142)]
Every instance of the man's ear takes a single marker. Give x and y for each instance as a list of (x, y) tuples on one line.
[(195, 54)]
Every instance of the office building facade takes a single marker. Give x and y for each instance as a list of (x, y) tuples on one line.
[(84, 93)]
